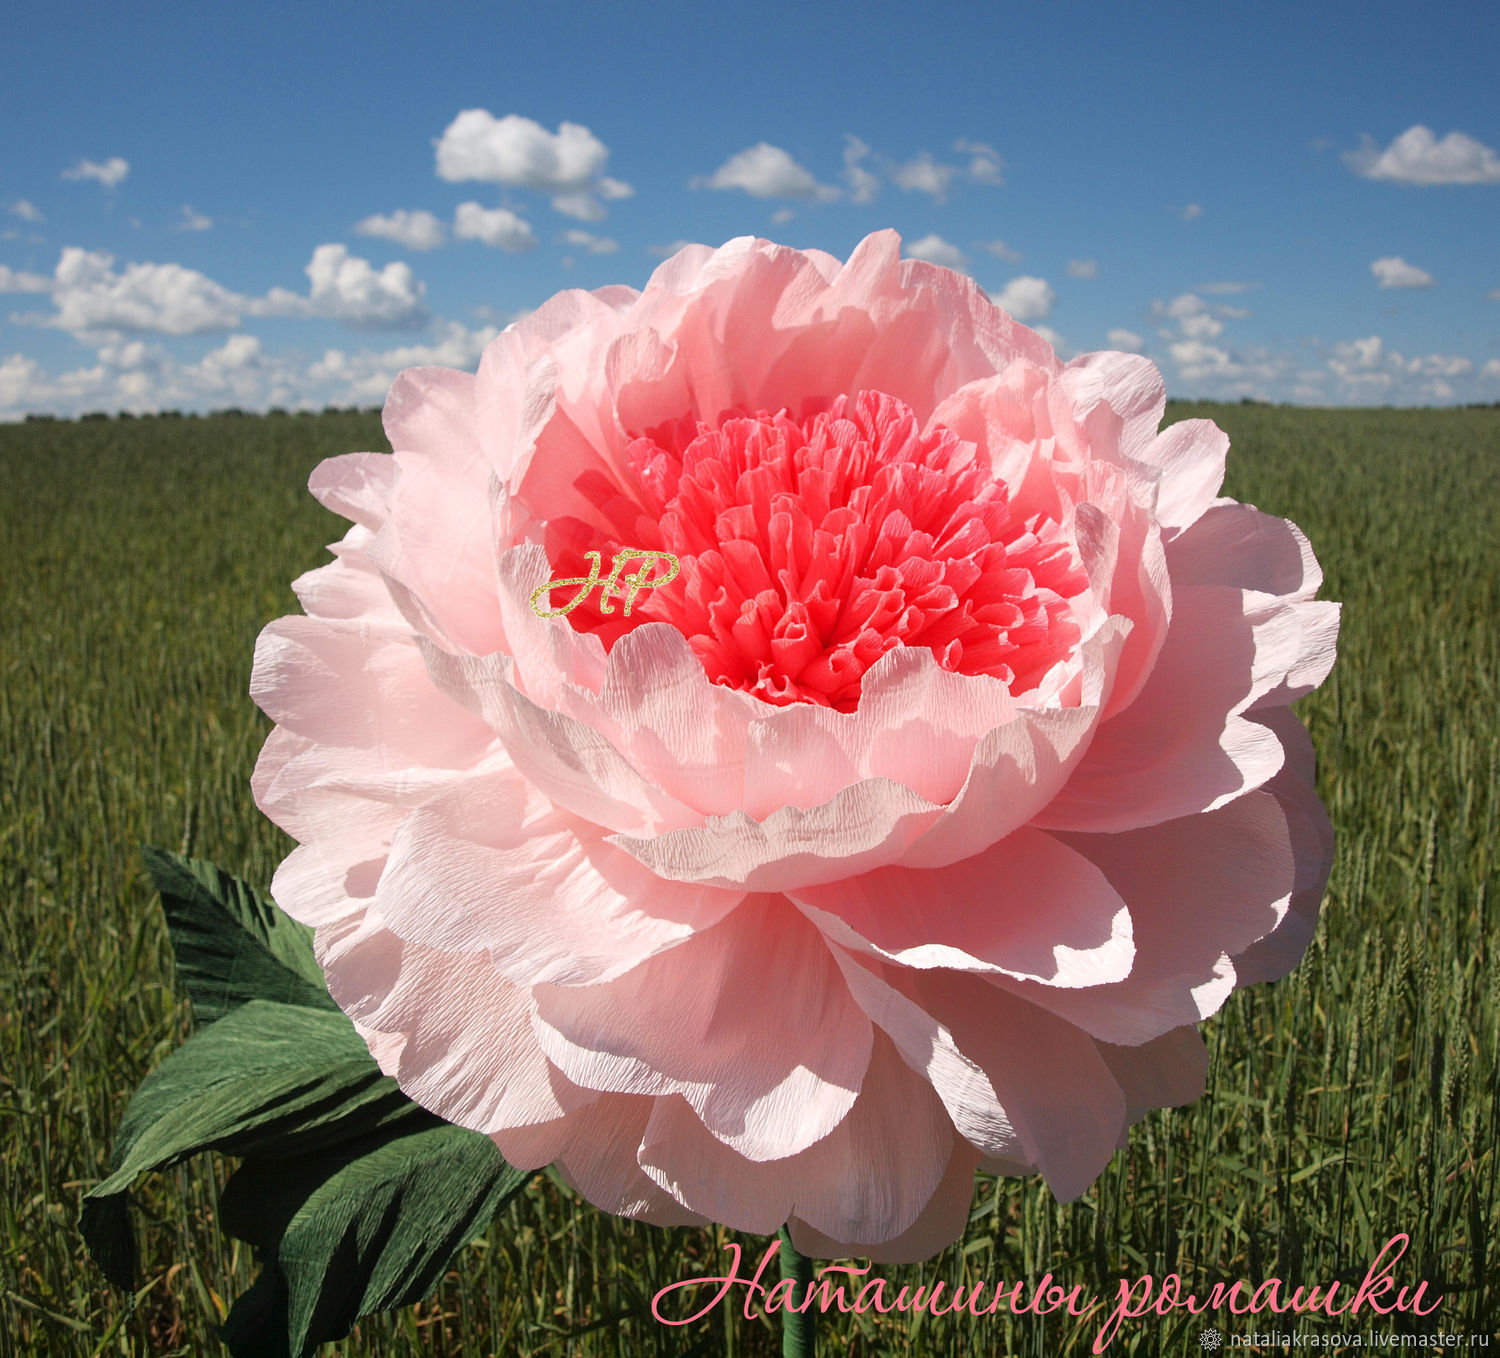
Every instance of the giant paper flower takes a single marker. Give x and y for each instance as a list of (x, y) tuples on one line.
[(910, 828)]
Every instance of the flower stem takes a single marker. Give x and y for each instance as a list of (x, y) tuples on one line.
[(796, 1325)]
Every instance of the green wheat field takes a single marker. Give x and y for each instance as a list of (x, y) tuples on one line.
[(1356, 1099)]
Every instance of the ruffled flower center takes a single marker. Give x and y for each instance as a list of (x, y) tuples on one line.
[(810, 547)]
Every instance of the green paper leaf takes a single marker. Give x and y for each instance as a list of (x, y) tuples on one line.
[(356, 1198), (368, 1228), (232, 943), (273, 1080)]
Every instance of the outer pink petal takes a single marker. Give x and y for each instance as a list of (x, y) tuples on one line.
[(1237, 545), (345, 683), (1122, 551), (356, 485), (1049, 1077), (982, 336), (346, 835), (602, 1161), (1166, 1072), (467, 1051), (929, 1048), (1181, 746), (1200, 890), (1117, 401), (749, 1020), (1312, 844), (1190, 456), (796, 324), (731, 330), (518, 381), (319, 883), (1028, 907), (870, 329), (350, 587), (941, 1222), (436, 546), (595, 1150), (344, 814), (490, 866), (868, 1179), (379, 741)]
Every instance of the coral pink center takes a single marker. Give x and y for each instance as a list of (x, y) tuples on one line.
[(810, 547)]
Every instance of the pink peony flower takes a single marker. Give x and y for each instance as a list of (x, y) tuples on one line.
[(910, 828)]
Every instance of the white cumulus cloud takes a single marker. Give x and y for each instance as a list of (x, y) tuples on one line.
[(1083, 268), (595, 245), (109, 172), (515, 150), (238, 351), (194, 221), (26, 210), (140, 376), (418, 230), (984, 161), (1192, 211), (1395, 272), (924, 175), (347, 288), (936, 250), (1200, 325), (1001, 250), (1417, 156), (170, 299), (766, 171), (1027, 298), (1194, 318), (582, 205), (496, 226), (18, 378), (13, 280), (863, 185), (1127, 340), (1440, 365), (568, 164), (1196, 359), (1361, 355), (366, 376), (1368, 369)]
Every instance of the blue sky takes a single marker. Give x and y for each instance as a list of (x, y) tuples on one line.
[(204, 206)]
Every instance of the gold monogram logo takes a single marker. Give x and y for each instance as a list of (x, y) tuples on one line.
[(633, 583)]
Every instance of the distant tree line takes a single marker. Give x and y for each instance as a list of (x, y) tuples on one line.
[(227, 413)]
